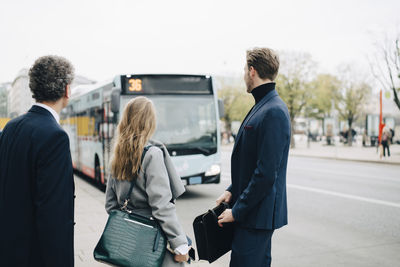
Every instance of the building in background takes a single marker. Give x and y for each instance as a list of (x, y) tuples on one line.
[(20, 96), (4, 87)]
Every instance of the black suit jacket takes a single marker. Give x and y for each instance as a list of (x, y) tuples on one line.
[(36, 192), (258, 166)]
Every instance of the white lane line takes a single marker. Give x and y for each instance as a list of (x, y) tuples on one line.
[(343, 174), (332, 193)]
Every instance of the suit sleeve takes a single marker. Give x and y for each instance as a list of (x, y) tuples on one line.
[(54, 201), (272, 138), (229, 188), (159, 197)]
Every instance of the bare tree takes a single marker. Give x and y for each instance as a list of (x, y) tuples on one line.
[(385, 66)]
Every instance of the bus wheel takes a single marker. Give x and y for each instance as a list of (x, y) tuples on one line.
[(97, 172)]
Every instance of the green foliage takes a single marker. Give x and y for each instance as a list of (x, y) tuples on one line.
[(293, 83), (304, 93), (237, 102), (351, 101), (352, 98), (294, 92), (325, 92)]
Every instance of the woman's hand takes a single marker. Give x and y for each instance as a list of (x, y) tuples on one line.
[(181, 258)]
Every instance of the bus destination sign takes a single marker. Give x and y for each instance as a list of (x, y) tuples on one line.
[(135, 85), (166, 84)]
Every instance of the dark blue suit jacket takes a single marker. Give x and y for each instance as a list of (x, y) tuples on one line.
[(36, 192), (258, 166)]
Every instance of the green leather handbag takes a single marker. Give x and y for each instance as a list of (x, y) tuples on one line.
[(130, 239)]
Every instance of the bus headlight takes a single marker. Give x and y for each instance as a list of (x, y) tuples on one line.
[(215, 169)]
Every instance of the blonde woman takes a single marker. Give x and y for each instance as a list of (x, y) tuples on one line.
[(154, 186)]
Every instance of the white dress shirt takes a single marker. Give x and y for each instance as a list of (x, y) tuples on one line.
[(52, 111), (182, 249)]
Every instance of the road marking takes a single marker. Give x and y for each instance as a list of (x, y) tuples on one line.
[(332, 193), (343, 174)]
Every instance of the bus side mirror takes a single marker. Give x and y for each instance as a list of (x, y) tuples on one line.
[(115, 100), (221, 109)]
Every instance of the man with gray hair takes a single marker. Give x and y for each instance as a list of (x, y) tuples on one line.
[(36, 179)]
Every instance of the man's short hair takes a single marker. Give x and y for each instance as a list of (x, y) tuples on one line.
[(49, 77), (265, 61)]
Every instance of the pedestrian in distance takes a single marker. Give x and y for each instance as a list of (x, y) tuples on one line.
[(364, 138), (392, 135), (386, 137), (257, 194), (156, 184), (36, 178)]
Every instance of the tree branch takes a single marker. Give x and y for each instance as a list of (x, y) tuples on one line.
[(375, 75), (389, 69), (397, 57)]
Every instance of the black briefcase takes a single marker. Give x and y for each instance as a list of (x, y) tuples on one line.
[(212, 241)]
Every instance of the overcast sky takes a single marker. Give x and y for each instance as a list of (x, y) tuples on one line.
[(104, 38)]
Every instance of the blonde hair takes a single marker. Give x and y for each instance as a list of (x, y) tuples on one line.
[(137, 125)]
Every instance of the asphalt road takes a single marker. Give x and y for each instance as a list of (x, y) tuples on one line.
[(340, 214)]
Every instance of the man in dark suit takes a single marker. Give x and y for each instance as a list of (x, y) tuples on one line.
[(258, 166), (36, 179)]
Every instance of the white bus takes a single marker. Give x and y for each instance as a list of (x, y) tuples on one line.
[(188, 113)]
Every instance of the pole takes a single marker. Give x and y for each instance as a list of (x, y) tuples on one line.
[(381, 125)]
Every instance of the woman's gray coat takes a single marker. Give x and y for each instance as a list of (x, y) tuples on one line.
[(151, 196)]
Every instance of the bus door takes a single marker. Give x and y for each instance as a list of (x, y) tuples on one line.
[(107, 134)]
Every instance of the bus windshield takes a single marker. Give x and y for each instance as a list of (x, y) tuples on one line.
[(186, 124)]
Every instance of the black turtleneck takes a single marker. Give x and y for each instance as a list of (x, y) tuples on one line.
[(260, 91)]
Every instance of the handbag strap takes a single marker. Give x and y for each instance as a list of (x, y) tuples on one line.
[(127, 198)]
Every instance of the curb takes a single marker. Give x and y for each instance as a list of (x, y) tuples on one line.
[(347, 159), (229, 147)]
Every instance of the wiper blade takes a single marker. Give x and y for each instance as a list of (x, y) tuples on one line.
[(201, 149)]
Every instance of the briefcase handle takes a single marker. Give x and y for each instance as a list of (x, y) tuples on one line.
[(226, 206), (214, 215)]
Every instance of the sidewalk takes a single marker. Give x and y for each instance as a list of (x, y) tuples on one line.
[(90, 218), (339, 151)]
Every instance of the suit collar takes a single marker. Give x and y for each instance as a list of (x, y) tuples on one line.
[(42, 111), (51, 110), (263, 101)]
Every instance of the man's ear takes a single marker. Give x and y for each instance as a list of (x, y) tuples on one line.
[(252, 71), (67, 91)]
